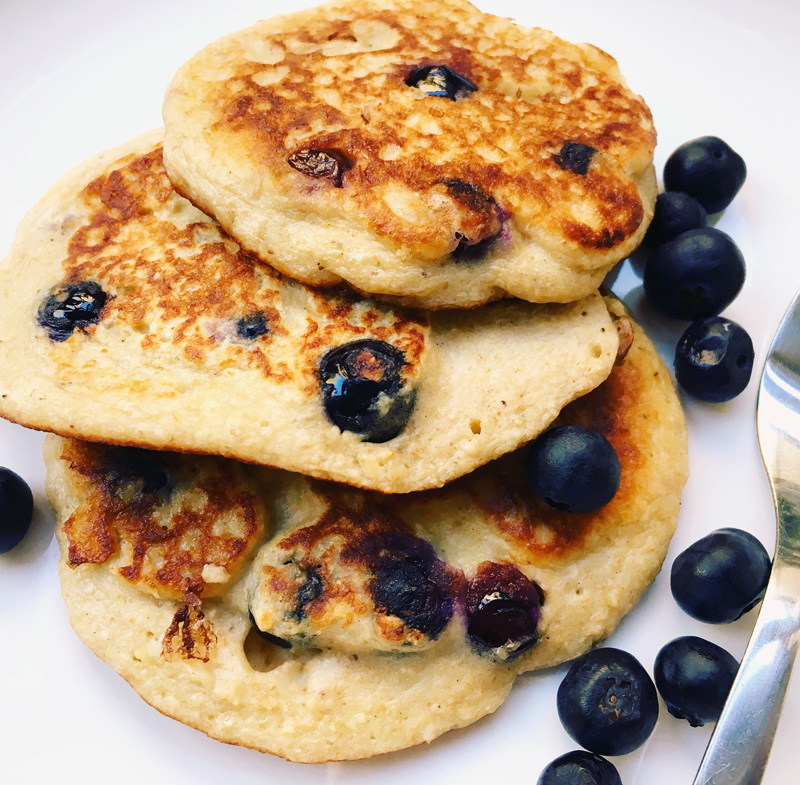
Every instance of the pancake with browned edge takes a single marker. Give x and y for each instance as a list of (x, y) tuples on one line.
[(130, 317), (319, 622), (425, 152)]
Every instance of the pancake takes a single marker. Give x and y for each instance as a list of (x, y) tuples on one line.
[(424, 152), (130, 317), (362, 622)]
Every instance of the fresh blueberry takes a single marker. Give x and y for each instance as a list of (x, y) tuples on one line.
[(721, 576), (440, 81), (607, 702), (16, 509), (675, 214), (573, 468), (707, 169), (694, 677), (70, 306), (503, 610), (252, 326), (321, 163), (579, 768), (697, 274), (363, 390), (575, 157), (714, 359)]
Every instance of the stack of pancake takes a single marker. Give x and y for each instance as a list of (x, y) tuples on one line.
[(292, 348)]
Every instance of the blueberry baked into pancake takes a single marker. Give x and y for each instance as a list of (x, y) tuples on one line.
[(130, 317), (321, 622), (421, 151)]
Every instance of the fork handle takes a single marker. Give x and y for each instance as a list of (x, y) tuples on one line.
[(739, 748)]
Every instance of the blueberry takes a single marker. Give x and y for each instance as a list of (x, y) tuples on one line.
[(714, 359), (575, 157), (415, 591), (16, 509), (697, 274), (675, 214), (707, 169), (310, 589), (133, 473), (252, 326), (268, 636), (321, 163), (503, 610), (363, 390), (70, 306), (721, 576), (573, 468), (440, 81), (607, 702), (579, 768), (694, 677)]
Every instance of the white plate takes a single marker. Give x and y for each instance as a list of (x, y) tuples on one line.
[(81, 76)]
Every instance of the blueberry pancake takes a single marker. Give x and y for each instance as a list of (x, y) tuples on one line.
[(321, 622), (130, 317), (420, 151)]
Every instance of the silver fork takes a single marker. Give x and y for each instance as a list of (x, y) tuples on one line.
[(739, 748)]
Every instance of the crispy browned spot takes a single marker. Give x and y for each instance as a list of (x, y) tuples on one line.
[(539, 97), (189, 635), (173, 277), (164, 553)]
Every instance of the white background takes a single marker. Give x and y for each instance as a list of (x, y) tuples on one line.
[(81, 76)]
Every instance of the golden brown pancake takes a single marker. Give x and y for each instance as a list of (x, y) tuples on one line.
[(130, 317), (366, 622), (423, 151)]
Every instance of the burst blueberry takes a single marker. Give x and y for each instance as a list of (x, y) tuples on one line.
[(363, 389), (579, 767), (694, 677), (714, 359), (503, 610), (252, 326), (607, 702), (71, 306), (574, 468), (16, 509), (575, 157), (695, 275), (440, 81), (721, 576), (321, 163), (707, 169)]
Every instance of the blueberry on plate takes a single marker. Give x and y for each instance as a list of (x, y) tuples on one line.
[(573, 468), (694, 677), (675, 214), (721, 576), (697, 274), (16, 509), (70, 306), (607, 702), (714, 359), (363, 390), (707, 169), (440, 81), (579, 768)]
